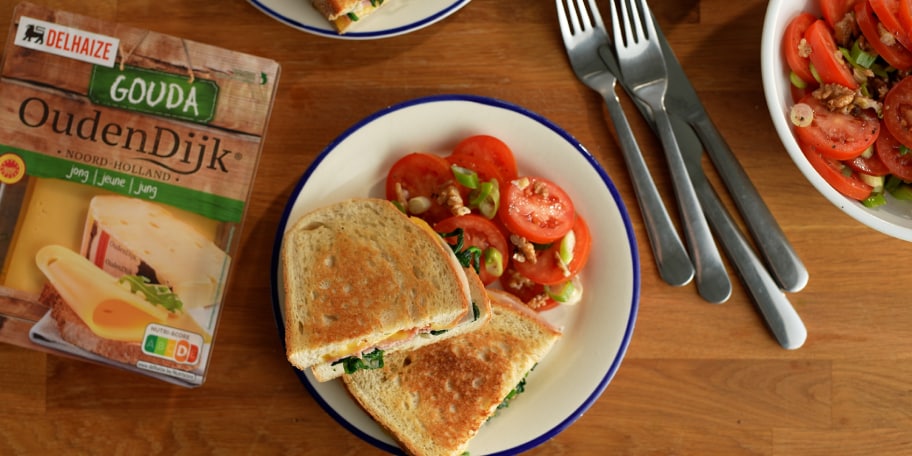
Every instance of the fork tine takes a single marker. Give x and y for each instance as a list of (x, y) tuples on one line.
[(617, 25), (646, 18), (596, 14)]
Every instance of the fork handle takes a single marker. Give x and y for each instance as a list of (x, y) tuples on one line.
[(781, 317), (778, 253), (671, 257), (713, 282)]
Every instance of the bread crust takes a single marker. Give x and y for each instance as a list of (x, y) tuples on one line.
[(434, 400), (73, 330), (359, 271)]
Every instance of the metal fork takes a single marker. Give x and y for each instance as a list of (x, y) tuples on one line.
[(582, 41), (643, 68)]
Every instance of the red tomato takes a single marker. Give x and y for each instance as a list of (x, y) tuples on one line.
[(836, 135), (872, 165), (546, 270), (831, 171), (835, 10), (897, 111), (895, 54), (536, 209), (888, 13), (421, 174), (527, 291), (477, 232), (827, 60), (794, 33), (905, 14), (891, 154), (485, 152)]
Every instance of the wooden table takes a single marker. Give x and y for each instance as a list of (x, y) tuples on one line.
[(697, 379)]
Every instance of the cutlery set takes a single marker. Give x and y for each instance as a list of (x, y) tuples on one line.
[(639, 58)]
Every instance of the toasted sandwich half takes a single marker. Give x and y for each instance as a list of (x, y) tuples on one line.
[(362, 280), (435, 399), (343, 13)]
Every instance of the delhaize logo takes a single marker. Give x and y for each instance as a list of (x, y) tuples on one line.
[(67, 42)]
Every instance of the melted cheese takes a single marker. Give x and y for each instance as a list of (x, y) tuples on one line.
[(107, 307)]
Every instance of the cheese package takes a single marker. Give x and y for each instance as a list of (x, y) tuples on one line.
[(127, 159)]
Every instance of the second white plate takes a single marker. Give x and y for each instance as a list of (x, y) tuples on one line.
[(395, 18)]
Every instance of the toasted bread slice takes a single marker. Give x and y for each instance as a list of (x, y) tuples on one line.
[(360, 273), (343, 13), (480, 315), (433, 400)]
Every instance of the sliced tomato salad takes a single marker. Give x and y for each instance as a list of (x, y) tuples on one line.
[(851, 84), (522, 232)]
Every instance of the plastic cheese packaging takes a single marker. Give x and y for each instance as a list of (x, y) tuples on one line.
[(126, 166)]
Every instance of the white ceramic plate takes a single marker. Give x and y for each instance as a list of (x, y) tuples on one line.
[(894, 218), (596, 331), (395, 18)]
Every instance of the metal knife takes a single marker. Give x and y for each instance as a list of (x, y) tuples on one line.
[(682, 100), (780, 315)]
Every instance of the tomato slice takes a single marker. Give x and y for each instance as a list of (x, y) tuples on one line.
[(478, 232), (831, 171), (872, 165), (887, 11), (895, 54), (897, 111), (536, 209), (896, 158), (836, 135), (826, 58), (835, 10), (905, 14), (485, 152), (794, 33), (547, 270), (421, 175)]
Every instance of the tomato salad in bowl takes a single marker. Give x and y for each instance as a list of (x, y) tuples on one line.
[(519, 232), (851, 88)]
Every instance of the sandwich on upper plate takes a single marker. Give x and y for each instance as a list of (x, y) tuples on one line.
[(343, 13), (435, 399), (362, 279)]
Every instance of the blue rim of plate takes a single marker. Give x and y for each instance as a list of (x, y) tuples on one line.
[(631, 239), (354, 34)]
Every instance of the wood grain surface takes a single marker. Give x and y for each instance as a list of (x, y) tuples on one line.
[(698, 379)]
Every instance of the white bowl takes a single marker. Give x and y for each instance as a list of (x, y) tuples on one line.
[(893, 218)]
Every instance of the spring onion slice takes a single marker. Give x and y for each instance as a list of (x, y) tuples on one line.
[(465, 176), (486, 198), (493, 261), (569, 292)]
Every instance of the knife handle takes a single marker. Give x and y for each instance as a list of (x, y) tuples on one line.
[(780, 315), (671, 257), (783, 262)]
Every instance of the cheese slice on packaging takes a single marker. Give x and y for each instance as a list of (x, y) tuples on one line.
[(110, 309), (127, 236)]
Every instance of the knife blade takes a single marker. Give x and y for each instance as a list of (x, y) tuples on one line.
[(682, 100)]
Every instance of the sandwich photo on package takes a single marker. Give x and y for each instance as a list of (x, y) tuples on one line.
[(127, 159)]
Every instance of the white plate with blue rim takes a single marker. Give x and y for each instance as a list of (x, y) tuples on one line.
[(397, 17), (596, 332)]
